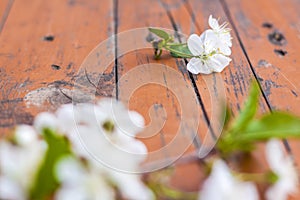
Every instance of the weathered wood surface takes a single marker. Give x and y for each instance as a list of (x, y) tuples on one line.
[(31, 60), (44, 43)]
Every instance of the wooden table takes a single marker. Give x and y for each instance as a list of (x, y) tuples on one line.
[(43, 45)]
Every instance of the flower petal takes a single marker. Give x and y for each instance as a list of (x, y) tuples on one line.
[(225, 49), (227, 187), (275, 155), (226, 38), (213, 23), (45, 120), (131, 187), (209, 40), (196, 66), (25, 135), (195, 45), (218, 62), (10, 189), (284, 168)]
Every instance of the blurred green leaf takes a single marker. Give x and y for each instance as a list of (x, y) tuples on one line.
[(248, 111), (160, 33), (274, 125), (46, 183)]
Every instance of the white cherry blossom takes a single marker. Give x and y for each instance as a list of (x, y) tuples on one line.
[(19, 161), (283, 166), (80, 182), (207, 57), (222, 185), (104, 134), (223, 36)]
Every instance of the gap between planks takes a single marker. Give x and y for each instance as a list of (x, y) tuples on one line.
[(116, 25), (197, 143)]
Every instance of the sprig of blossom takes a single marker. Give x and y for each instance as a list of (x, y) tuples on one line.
[(208, 52)]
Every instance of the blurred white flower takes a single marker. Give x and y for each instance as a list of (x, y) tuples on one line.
[(11, 189), (131, 186), (221, 185), (19, 162), (79, 182), (104, 129), (223, 37), (284, 168), (45, 120), (104, 134), (207, 57)]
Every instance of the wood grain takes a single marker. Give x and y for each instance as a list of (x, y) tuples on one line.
[(31, 61), (274, 60)]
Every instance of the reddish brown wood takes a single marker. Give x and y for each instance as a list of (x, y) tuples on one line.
[(26, 57), (43, 44), (5, 6)]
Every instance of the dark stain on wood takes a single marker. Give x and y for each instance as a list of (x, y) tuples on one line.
[(48, 38), (267, 25), (55, 67), (277, 38), (69, 65), (269, 84), (280, 52), (262, 63)]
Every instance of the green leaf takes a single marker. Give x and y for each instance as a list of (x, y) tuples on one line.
[(275, 125), (160, 33), (45, 182), (249, 110), (180, 51)]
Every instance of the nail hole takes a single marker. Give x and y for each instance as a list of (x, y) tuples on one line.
[(280, 52), (55, 67), (277, 38), (48, 38), (267, 25), (69, 65)]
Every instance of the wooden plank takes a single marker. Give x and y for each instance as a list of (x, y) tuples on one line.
[(275, 60), (41, 49), (160, 99)]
